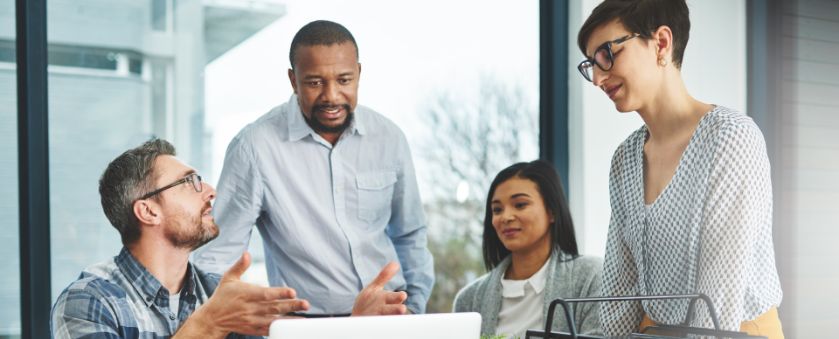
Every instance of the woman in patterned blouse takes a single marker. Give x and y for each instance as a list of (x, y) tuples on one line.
[(690, 190)]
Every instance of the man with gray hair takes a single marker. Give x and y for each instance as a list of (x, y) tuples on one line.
[(329, 184), (161, 208)]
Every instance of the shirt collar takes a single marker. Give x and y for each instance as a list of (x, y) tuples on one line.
[(515, 288), (145, 283), (299, 129)]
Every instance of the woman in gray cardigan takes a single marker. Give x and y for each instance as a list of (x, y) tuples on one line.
[(531, 252)]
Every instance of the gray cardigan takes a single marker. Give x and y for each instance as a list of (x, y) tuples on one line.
[(568, 277)]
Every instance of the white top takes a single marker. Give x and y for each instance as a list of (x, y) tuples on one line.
[(709, 231), (521, 304), (175, 303)]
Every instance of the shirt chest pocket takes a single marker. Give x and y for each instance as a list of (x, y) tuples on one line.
[(375, 193)]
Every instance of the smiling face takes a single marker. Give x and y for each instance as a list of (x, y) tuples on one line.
[(519, 216), (186, 219), (635, 76), (325, 79)]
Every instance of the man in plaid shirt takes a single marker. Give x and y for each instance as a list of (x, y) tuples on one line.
[(161, 209)]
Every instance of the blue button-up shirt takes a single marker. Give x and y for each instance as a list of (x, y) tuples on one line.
[(119, 298), (330, 216)]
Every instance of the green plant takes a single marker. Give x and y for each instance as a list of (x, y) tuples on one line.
[(498, 336)]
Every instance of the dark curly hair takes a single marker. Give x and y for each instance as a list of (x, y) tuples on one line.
[(320, 32)]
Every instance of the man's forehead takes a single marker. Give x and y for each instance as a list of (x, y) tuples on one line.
[(168, 167), (313, 55), (341, 45)]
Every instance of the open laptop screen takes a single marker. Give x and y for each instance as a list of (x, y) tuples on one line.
[(414, 326)]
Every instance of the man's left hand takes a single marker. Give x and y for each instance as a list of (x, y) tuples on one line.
[(374, 300)]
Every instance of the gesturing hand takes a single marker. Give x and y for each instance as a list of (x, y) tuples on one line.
[(237, 306), (374, 300)]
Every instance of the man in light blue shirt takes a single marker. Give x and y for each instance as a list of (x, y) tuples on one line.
[(330, 186)]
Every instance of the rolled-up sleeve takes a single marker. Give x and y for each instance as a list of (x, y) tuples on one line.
[(738, 262), (237, 207), (407, 229)]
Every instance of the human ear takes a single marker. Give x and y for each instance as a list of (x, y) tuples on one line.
[(293, 79), (663, 38), (551, 218), (146, 212)]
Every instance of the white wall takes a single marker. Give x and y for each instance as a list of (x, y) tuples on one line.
[(808, 169), (714, 69)]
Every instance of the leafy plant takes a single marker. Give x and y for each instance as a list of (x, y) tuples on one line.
[(498, 336)]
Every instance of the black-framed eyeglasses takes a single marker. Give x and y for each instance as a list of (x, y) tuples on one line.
[(603, 57), (192, 178)]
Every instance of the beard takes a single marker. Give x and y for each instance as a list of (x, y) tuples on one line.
[(190, 231), (319, 127)]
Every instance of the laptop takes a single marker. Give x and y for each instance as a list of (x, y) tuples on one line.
[(413, 326)]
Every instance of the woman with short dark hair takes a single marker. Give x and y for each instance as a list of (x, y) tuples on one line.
[(691, 192), (531, 252)]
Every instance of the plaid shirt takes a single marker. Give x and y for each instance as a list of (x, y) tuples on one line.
[(119, 298)]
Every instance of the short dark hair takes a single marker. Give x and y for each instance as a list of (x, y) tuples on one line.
[(125, 180), (320, 32), (642, 17), (547, 180)]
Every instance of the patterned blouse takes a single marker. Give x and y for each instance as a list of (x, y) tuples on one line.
[(709, 231)]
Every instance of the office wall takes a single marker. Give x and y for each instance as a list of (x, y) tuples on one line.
[(808, 168)]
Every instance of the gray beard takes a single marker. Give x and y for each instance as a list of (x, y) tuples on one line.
[(190, 238)]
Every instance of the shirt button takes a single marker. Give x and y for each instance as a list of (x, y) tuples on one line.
[(172, 316)]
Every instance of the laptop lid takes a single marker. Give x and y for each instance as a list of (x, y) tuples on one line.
[(413, 326)]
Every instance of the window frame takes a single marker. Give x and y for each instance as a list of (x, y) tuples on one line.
[(33, 142)]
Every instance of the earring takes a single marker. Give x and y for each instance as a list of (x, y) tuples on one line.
[(662, 62)]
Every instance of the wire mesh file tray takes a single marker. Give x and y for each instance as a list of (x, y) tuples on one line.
[(683, 330)]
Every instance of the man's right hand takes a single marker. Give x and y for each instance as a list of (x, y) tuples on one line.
[(243, 308)]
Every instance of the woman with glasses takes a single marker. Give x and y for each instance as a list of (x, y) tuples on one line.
[(531, 254), (691, 194)]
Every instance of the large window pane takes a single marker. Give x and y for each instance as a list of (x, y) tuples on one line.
[(121, 72), (459, 78), (9, 244)]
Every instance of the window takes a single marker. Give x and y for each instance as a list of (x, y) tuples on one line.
[(470, 74), (159, 15), (114, 84), (461, 79), (9, 242)]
